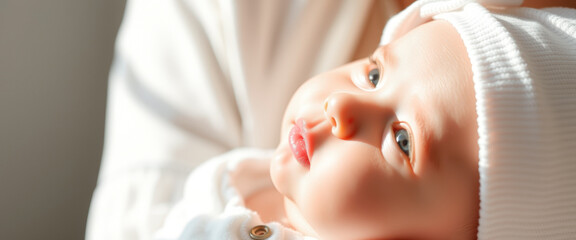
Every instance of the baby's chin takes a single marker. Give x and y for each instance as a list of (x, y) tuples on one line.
[(278, 164), (297, 221)]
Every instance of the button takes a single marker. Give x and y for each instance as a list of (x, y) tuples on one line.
[(260, 232)]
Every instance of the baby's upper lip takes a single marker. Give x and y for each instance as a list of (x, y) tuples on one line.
[(307, 135)]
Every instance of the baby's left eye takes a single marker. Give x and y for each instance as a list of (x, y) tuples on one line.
[(374, 76)]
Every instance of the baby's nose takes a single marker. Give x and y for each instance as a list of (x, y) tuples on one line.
[(342, 110)]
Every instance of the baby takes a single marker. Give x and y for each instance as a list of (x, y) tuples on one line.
[(385, 146), (461, 125)]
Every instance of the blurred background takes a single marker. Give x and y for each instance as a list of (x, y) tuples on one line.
[(54, 62)]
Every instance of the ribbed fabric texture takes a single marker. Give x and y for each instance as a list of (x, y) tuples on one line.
[(524, 72)]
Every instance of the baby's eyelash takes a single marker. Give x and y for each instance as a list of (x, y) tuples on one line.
[(372, 60), (381, 57)]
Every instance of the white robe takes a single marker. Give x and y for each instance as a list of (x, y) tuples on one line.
[(194, 79)]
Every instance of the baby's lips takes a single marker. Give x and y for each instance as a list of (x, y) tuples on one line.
[(298, 143)]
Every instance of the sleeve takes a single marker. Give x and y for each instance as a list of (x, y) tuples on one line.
[(235, 224), (212, 209), (194, 79)]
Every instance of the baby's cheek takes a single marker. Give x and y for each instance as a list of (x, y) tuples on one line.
[(329, 216), (324, 204), (341, 206)]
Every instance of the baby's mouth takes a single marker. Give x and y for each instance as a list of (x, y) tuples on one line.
[(300, 143)]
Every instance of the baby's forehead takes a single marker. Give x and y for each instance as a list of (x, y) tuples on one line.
[(432, 50), (433, 37), (430, 63)]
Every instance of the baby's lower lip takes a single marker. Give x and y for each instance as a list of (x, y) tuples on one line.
[(297, 140)]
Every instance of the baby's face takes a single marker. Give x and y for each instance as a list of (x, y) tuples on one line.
[(363, 157)]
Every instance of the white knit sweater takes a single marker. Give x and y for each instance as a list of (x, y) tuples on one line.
[(524, 72)]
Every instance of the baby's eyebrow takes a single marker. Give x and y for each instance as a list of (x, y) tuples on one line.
[(382, 55)]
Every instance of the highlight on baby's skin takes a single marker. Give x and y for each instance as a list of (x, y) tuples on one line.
[(384, 147)]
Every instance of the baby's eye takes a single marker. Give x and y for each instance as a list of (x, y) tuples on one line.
[(399, 144), (374, 76), (403, 140), (367, 77)]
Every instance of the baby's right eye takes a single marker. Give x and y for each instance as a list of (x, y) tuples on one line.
[(374, 76), (403, 141)]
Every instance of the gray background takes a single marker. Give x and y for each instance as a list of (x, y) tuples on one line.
[(54, 61)]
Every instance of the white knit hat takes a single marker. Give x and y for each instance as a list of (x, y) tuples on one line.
[(524, 73)]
